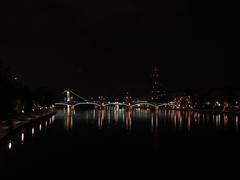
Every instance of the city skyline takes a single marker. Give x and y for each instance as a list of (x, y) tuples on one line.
[(112, 87), (109, 48), (117, 82)]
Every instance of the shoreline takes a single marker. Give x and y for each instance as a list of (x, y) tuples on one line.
[(21, 121), (204, 111)]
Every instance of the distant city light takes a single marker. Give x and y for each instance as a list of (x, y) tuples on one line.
[(22, 137), (10, 145), (32, 131)]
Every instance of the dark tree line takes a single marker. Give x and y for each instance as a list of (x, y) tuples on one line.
[(17, 98)]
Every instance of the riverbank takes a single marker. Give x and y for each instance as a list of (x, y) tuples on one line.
[(20, 121), (204, 111)]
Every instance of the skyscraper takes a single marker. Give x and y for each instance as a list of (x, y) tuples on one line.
[(158, 93)]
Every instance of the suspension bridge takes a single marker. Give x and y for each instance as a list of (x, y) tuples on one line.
[(72, 100)]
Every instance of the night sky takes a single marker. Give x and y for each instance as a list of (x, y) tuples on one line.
[(106, 47)]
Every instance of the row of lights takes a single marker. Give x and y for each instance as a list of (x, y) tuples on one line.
[(10, 144)]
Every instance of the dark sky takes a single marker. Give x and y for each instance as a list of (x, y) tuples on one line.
[(97, 47)]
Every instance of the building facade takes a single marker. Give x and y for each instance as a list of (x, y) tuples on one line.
[(158, 93)]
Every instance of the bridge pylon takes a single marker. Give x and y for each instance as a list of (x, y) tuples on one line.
[(129, 107), (102, 106)]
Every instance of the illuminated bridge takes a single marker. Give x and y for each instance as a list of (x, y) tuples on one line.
[(71, 103)]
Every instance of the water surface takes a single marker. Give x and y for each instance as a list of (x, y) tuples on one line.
[(139, 139)]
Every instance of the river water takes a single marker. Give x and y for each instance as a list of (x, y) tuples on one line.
[(92, 139)]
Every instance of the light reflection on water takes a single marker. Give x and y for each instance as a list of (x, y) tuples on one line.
[(189, 120), (26, 133), (91, 136), (10, 145), (33, 131), (154, 120), (22, 137), (68, 122), (131, 120), (237, 122)]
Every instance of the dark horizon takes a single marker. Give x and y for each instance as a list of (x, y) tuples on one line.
[(110, 47)]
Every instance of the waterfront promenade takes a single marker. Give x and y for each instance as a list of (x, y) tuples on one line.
[(18, 122)]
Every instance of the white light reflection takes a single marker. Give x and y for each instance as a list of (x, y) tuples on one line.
[(218, 121), (22, 137), (157, 121), (10, 145), (94, 114), (40, 127), (33, 131), (53, 118), (237, 122), (152, 123), (109, 117), (123, 114), (116, 116), (199, 116), (165, 119)]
